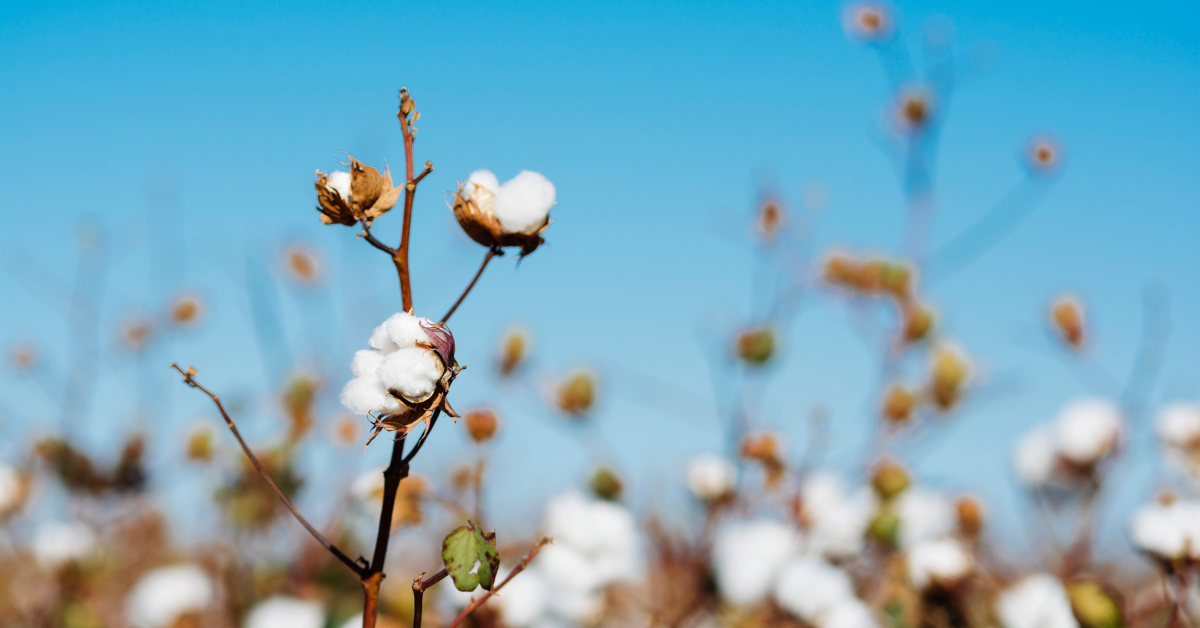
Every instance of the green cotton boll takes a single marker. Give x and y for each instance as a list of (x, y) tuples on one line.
[(471, 558)]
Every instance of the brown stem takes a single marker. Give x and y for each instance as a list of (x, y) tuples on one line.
[(496, 589), (400, 257), (366, 235), (420, 583), (397, 470), (428, 169), (492, 252), (359, 566)]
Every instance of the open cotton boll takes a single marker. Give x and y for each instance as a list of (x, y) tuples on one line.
[(55, 544), (285, 612), (809, 588), (366, 362), (603, 534), (400, 330), (1178, 425), (1167, 530), (481, 178), (523, 202), (836, 523), (1036, 457), (339, 181), (1087, 430), (165, 594), (523, 602), (1038, 601), (923, 515), (747, 557), (938, 561), (711, 477), (367, 394), (413, 372), (849, 614)]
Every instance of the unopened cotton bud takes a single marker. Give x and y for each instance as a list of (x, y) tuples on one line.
[(576, 394), (606, 484), (898, 404), (890, 479), (970, 515), (513, 348), (769, 221), (949, 373), (867, 21), (1094, 605), (185, 310), (23, 356), (914, 110), (302, 265), (756, 346), (1043, 156), (766, 450), (1066, 314), (481, 424), (200, 444), (918, 322)]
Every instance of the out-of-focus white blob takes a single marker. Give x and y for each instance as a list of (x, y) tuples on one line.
[(810, 588), (835, 523), (1036, 457), (923, 515), (1087, 430), (938, 561), (1168, 531), (1038, 601), (748, 556), (711, 477), (163, 595), (285, 612), (56, 544)]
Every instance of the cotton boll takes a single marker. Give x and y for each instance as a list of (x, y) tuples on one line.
[(576, 606), (55, 544), (366, 362), (849, 614), (1178, 425), (809, 588), (835, 523), (923, 515), (1167, 530), (405, 330), (1087, 430), (602, 534), (1036, 457), (481, 178), (938, 561), (748, 556), (711, 477), (567, 567), (165, 594), (285, 612), (413, 372), (523, 202), (339, 181), (366, 394), (1038, 601)]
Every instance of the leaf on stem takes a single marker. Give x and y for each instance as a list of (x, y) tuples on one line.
[(471, 558)]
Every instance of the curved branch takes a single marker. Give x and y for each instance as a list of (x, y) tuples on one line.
[(492, 252), (189, 378)]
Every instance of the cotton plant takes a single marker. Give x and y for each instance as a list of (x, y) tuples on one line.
[(1059, 454), (748, 556), (820, 594), (515, 213)]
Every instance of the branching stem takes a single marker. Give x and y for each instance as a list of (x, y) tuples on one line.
[(492, 252)]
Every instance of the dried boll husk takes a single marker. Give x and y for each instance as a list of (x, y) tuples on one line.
[(371, 195), (475, 216)]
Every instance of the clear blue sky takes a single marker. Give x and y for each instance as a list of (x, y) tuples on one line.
[(658, 122)]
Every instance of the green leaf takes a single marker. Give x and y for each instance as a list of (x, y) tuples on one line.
[(471, 558)]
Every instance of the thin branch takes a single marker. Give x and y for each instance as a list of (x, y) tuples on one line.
[(492, 252), (428, 169), (420, 583), (366, 235), (496, 589), (358, 567), (400, 257), (425, 434)]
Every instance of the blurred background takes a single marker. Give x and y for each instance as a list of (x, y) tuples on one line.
[(165, 150)]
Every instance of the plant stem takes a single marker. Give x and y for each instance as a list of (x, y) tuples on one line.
[(420, 583), (358, 567), (492, 252)]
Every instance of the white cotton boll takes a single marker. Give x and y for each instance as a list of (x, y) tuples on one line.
[(851, 613), (567, 567), (339, 181), (367, 394), (747, 557), (523, 202), (576, 606), (1178, 424), (481, 178), (711, 477), (1167, 530), (165, 594), (602, 534), (366, 362), (809, 588), (413, 372), (923, 515), (1086, 430), (405, 330), (1038, 601), (1036, 457), (938, 561), (285, 612), (836, 524), (523, 601), (55, 544)]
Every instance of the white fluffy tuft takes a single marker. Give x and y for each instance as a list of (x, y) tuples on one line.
[(711, 477), (923, 515), (162, 595), (55, 544), (939, 560), (285, 612), (481, 178), (413, 372), (1038, 601), (1167, 530), (747, 557), (1087, 430), (339, 181), (809, 588), (523, 202), (1178, 425), (1036, 457)]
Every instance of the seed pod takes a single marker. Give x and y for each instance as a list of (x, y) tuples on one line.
[(1066, 314), (577, 394), (949, 374), (890, 479), (918, 322), (513, 349), (898, 405), (970, 516), (481, 425), (606, 484), (756, 346)]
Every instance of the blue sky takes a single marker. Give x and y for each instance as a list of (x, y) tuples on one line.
[(659, 123)]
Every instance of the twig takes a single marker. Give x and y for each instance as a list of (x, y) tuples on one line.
[(425, 434), (420, 583), (400, 257), (358, 567), (366, 235), (492, 252), (428, 169), (496, 589)]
